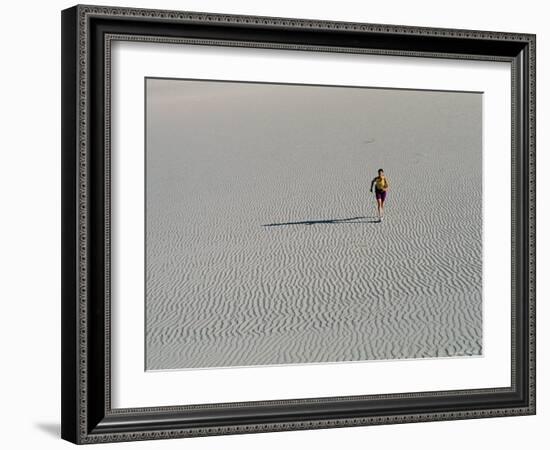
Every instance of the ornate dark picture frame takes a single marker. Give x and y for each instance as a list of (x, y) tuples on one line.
[(87, 414)]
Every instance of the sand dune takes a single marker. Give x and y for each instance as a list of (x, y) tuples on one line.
[(262, 246)]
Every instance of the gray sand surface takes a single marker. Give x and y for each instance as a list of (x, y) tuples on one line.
[(261, 241)]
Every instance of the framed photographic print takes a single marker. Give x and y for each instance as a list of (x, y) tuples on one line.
[(267, 222)]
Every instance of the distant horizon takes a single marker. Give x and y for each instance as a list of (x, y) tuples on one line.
[(288, 83)]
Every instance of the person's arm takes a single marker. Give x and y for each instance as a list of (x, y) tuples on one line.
[(372, 183)]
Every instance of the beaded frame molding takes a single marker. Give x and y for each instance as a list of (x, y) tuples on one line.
[(87, 35)]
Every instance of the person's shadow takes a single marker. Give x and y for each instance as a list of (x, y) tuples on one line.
[(358, 219)]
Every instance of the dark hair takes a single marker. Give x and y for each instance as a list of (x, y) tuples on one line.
[(380, 170)]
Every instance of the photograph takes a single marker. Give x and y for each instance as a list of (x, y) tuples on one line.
[(297, 224)]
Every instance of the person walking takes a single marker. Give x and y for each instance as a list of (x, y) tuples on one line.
[(381, 186)]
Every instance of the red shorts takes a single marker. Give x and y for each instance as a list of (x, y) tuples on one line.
[(380, 195)]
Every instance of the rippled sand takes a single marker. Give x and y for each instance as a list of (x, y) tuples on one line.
[(262, 246)]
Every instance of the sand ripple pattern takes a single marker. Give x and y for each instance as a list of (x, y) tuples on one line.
[(261, 243)]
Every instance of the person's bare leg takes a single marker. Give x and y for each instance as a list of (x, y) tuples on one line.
[(382, 208), (379, 205)]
